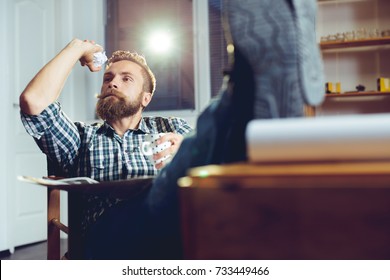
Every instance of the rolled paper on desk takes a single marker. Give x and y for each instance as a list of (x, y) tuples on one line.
[(328, 138)]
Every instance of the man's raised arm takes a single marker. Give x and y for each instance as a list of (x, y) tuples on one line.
[(47, 84)]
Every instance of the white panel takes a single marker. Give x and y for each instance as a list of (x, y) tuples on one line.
[(30, 205), (32, 45), (4, 244), (32, 198), (32, 26)]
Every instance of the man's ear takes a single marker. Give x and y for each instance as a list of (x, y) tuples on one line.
[(146, 98)]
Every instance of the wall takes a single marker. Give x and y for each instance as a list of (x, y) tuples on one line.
[(83, 20)]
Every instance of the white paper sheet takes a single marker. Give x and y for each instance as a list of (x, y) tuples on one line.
[(357, 137)]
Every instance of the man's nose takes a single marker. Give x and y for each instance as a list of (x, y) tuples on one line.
[(112, 84)]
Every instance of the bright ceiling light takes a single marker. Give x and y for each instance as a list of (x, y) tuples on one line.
[(160, 42)]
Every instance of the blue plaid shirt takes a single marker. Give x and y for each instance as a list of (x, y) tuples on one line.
[(96, 151)]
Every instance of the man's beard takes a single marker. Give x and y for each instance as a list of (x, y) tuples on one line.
[(118, 107)]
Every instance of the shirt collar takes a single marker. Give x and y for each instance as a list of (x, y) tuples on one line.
[(109, 130), (144, 127)]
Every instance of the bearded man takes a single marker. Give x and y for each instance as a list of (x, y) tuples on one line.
[(103, 151)]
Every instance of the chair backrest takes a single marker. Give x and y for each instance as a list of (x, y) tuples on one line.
[(53, 169)]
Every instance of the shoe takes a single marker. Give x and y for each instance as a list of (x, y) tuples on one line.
[(310, 62), (277, 39), (276, 67)]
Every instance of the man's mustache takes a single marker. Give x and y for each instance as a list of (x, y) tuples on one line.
[(112, 92)]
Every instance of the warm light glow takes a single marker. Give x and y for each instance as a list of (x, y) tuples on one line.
[(160, 42), (230, 48)]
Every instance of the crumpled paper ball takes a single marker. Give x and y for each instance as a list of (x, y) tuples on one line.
[(99, 59)]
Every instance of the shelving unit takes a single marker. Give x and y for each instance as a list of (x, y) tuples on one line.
[(354, 62), (356, 43), (338, 1), (361, 93)]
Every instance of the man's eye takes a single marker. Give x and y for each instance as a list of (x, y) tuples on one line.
[(127, 79)]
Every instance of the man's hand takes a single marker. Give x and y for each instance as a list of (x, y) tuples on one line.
[(175, 140), (87, 58)]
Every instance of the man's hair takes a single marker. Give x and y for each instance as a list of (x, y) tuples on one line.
[(147, 74)]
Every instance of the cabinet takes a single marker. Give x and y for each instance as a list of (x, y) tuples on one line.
[(360, 59), (243, 211)]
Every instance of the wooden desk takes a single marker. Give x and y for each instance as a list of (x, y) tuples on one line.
[(287, 211)]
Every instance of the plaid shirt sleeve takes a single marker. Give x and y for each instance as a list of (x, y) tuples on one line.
[(160, 124), (56, 135), (179, 125)]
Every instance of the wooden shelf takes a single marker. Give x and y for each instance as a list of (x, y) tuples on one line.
[(363, 93), (355, 43), (338, 1)]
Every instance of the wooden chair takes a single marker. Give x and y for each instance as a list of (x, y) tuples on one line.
[(125, 189), (287, 211)]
